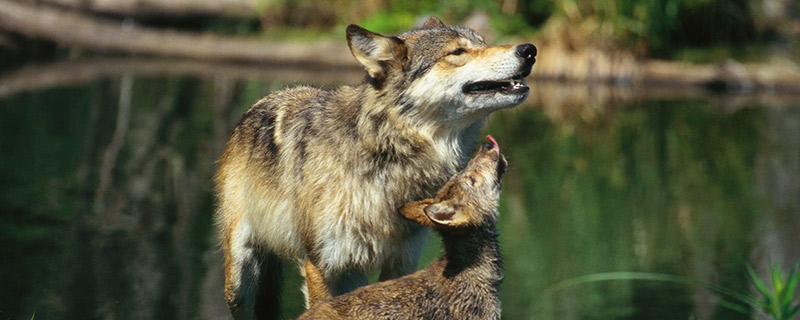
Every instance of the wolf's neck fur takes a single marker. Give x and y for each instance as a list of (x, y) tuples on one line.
[(405, 130), (403, 115)]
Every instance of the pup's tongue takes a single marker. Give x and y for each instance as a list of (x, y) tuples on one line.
[(494, 143)]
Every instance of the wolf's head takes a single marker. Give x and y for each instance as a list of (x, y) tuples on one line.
[(445, 72), (469, 198)]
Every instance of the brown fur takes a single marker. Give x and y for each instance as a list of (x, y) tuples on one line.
[(462, 284)]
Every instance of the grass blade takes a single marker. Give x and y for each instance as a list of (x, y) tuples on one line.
[(760, 286), (736, 307), (786, 297), (646, 276)]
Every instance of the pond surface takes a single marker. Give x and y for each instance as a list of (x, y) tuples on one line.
[(106, 204)]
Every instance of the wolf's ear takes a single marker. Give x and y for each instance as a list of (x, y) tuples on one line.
[(445, 213), (432, 23), (374, 51), (415, 211)]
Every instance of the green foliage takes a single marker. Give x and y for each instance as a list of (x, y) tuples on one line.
[(659, 27), (233, 26), (399, 15), (385, 22), (656, 28), (780, 300)]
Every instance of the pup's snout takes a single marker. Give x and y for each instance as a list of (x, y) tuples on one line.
[(528, 54), (492, 144)]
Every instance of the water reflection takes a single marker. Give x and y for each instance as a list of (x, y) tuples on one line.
[(107, 206)]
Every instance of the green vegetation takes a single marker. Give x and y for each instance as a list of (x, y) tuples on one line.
[(779, 302), (398, 15), (660, 28)]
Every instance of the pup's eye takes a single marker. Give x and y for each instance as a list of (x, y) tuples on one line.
[(472, 180), (457, 52)]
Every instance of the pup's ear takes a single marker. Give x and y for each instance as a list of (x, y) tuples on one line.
[(444, 213), (432, 23), (374, 51), (415, 211)]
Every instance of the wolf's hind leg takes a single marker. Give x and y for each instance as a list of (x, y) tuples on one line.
[(316, 289)]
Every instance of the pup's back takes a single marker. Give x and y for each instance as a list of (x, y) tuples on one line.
[(462, 284)]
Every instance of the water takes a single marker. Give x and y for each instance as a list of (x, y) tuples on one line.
[(106, 200)]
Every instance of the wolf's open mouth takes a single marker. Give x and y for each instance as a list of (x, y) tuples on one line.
[(515, 85)]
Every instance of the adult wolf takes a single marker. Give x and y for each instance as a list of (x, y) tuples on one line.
[(319, 175)]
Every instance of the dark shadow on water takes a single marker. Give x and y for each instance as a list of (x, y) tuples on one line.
[(107, 207)]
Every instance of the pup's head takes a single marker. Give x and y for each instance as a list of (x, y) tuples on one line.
[(445, 72), (469, 198)]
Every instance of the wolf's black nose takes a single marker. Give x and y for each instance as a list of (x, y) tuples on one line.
[(526, 51)]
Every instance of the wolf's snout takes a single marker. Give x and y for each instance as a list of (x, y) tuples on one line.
[(526, 51), (528, 54)]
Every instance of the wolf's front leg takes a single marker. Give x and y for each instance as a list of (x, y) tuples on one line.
[(405, 258), (348, 281)]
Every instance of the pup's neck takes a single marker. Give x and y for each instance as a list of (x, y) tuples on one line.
[(473, 254)]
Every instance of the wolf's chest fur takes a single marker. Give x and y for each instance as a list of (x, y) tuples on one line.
[(336, 166)]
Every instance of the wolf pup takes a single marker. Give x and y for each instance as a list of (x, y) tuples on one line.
[(460, 285), (318, 175)]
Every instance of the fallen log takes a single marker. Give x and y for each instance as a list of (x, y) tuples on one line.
[(76, 72), (75, 29), (180, 8)]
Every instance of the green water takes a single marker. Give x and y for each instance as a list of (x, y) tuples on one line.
[(106, 205)]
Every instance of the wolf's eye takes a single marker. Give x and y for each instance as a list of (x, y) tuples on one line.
[(457, 52)]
